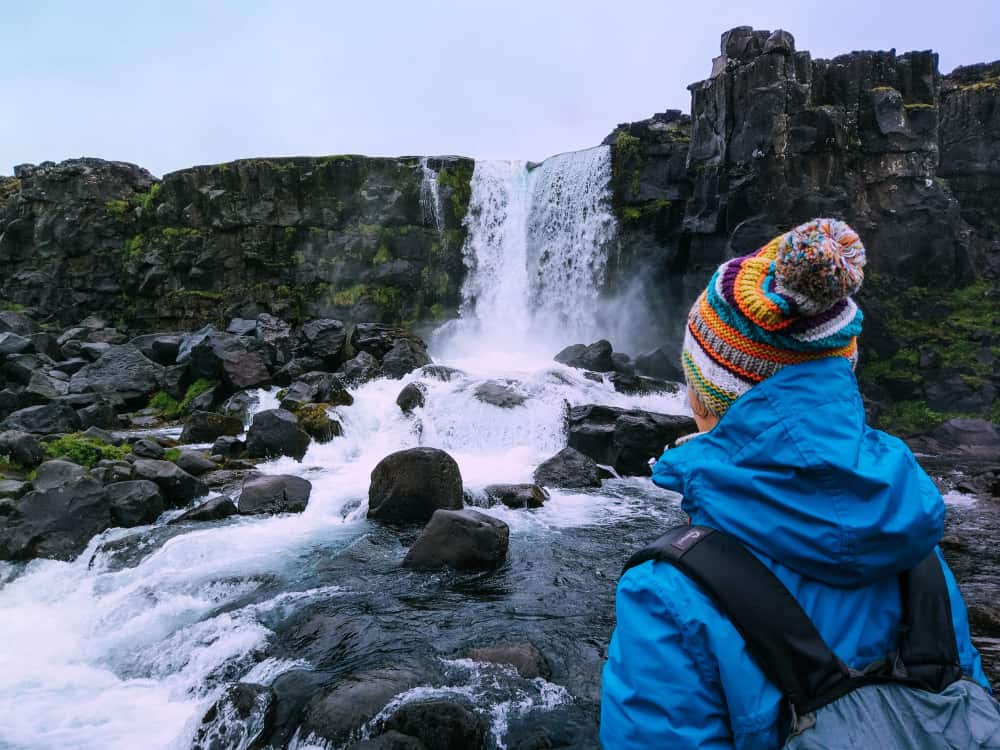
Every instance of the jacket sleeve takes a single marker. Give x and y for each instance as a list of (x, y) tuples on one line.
[(659, 687), (968, 656)]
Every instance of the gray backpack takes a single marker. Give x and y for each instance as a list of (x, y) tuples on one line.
[(915, 698)]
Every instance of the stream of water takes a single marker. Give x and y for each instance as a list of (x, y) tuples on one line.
[(128, 645)]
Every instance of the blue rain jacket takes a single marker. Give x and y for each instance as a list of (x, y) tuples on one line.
[(835, 508)]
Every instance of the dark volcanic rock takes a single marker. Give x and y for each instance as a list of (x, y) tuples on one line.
[(502, 394), (411, 397), (195, 463), (410, 485), (147, 448), (135, 503), (11, 343), (214, 509), (334, 715), (276, 432), (405, 357), (517, 495), (637, 385), (228, 447), (361, 368), (222, 356), (391, 740), (239, 718), (122, 371), (271, 494), (22, 448), (524, 657), (460, 539), (56, 523), (178, 487), (624, 439), (325, 340), (47, 419), (57, 473), (206, 426), (378, 340), (568, 469), (596, 357), (440, 723)]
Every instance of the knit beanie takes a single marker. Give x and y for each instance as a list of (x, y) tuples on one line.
[(787, 303)]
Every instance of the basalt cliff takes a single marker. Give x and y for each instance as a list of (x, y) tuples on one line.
[(907, 155)]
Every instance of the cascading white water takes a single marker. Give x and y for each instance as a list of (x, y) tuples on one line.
[(105, 654), (536, 251), (430, 196)]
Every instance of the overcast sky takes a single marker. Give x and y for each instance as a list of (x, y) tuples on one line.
[(172, 84)]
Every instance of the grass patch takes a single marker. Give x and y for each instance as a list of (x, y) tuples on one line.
[(172, 454), (148, 199), (117, 207), (84, 450), (171, 408), (458, 179), (350, 296), (6, 306)]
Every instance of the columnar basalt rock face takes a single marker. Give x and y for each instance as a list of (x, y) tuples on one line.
[(345, 236), (910, 158)]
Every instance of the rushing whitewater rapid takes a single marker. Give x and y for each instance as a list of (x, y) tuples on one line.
[(129, 645)]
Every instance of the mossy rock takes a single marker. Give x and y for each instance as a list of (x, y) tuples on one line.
[(317, 423)]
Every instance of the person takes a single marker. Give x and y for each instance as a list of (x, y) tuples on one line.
[(785, 464)]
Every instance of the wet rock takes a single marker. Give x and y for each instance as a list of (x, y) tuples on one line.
[(972, 438), (499, 393), (239, 405), (360, 369), (336, 714), (276, 432), (622, 438), (441, 372), (623, 363), (517, 495), (47, 419), (135, 503), (637, 385), (214, 509), (22, 448), (178, 487), (281, 493), (440, 723), (595, 357), (206, 426), (55, 523), (329, 388), (524, 657), (405, 357), (12, 489), (296, 368), (122, 371), (11, 343), (147, 448), (222, 356), (378, 339), (410, 485), (228, 447), (391, 740), (411, 397), (94, 350), (316, 421), (242, 327), (239, 719), (459, 539), (324, 340), (569, 469), (195, 463), (57, 473)]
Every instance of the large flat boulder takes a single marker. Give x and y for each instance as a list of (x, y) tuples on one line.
[(276, 432), (569, 469), (47, 419), (122, 370), (274, 493)]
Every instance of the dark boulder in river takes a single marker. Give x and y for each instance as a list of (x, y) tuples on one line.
[(569, 469), (624, 438), (135, 503), (178, 487), (413, 396), (596, 357), (206, 426), (214, 509), (460, 539), (281, 493), (276, 432), (440, 723), (409, 485), (517, 495)]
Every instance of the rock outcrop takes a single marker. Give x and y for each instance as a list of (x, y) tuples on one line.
[(410, 485)]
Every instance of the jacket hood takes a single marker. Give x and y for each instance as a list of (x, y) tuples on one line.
[(793, 471)]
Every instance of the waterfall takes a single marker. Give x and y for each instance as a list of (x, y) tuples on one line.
[(536, 251), (430, 195)]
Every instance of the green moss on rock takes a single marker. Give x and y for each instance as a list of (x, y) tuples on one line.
[(84, 450)]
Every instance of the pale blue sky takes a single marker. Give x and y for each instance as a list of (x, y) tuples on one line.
[(171, 84)]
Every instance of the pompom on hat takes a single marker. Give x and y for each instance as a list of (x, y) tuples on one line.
[(787, 303)]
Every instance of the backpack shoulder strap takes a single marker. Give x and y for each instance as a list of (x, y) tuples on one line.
[(928, 650), (783, 639), (778, 633)]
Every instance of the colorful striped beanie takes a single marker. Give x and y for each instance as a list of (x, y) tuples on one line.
[(787, 303)]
